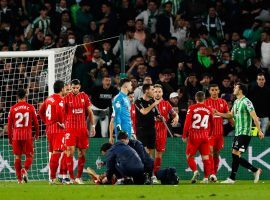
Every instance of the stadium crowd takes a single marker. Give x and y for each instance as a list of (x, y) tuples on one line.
[(182, 45)]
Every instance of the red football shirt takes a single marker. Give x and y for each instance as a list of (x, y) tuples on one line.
[(76, 107), (52, 113), (221, 106), (20, 119), (199, 122), (133, 116), (164, 108)]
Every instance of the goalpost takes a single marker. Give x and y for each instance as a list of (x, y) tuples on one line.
[(35, 71)]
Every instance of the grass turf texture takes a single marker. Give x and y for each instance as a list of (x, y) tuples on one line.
[(242, 190)]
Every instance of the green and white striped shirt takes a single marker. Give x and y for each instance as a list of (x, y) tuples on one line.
[(42, 24), (241, 114)]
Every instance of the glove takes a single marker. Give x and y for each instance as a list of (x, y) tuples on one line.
[(118, 127)]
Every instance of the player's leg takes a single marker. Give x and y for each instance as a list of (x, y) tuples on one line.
[(161, 138), (17, 151), (28, 150), (81, 163), (191, 150), (63, 167), (211, 155), (245, 140), (150, 141), (204, 149), (70, 140), (54, 162)]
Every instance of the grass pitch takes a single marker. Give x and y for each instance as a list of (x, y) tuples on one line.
[(242, 190)]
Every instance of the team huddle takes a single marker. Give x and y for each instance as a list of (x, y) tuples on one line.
[(65, 113)]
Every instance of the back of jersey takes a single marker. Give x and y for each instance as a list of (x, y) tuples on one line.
[(199, 121), (20, 121)]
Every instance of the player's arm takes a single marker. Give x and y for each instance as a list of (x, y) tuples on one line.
[(187, 125), (117, 114), (36, 125), (42, 112), (175, 117), (10, 126), (227, 115), (257, 123), (111, 128), (60, 112), (146, 110), (110, 164)]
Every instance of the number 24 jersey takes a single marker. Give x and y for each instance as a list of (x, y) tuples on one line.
[(199, 122)]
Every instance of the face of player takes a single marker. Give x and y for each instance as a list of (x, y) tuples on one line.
[(67, 89), (236, 90), (150, 92), (128, 85), (75, 89), (158, 93), (214, 91), (131, 97)]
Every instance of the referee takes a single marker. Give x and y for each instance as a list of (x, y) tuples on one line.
[(145, 118), (243, 113)]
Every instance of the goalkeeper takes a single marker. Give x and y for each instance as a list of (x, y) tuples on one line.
[(121, 108)]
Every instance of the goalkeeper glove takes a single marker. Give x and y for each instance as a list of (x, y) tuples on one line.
[(118, 127)]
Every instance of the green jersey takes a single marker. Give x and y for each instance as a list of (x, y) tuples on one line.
[(241, 114)]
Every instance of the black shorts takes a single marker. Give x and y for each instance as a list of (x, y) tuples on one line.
[(241, 142), (147, 136)]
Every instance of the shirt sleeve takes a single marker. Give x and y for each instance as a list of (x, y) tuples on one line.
[(60, 112), (35, 120), (226, 107), (10, 124), (110, 164), (187, 123), (117, 111), (42, 112), (249, 105)]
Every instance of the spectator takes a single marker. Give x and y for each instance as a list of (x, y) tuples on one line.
[(265, 49), (214, 24), (132, 46), (107, 54), (259, 94), (6, 13), (192, 87), (48, 42), (165, 80), (149, 16), (181, 32), (61, 6), (108, 23), (138, 93), (41, 23), (165, 23), (126, 12), (140, 34)]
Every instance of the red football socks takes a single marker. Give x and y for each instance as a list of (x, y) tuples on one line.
[(207, 168), (211, 160), (28, 162), (54, 164), (157, 164), (81, 162), (69, 160), (18, 167), (63, 165), (192, 164), (216, 164)]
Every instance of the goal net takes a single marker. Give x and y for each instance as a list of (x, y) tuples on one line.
[(35, 71)]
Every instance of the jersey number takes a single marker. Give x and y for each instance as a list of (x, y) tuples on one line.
[(49, 112), (20, 117), (200, 122)]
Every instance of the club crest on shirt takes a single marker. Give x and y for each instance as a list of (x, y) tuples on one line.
[(163, 108), (117, 104), (221, 105), (82, 100)]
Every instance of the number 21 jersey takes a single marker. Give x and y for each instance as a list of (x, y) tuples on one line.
[(20, 119)]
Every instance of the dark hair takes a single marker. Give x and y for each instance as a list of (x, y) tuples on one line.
[(158, 86), (105, 147), (260, 74), (131, 92), (58, 86), (168, 2), (122, 135), (75, 82), (123, 81), (106, 76), (145, 87), (200, 96), (212, 85), (21, 93), (242, 87)]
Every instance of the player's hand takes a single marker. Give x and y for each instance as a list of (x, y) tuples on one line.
[(111, 140), (93, 132), (133, 136), (261, 135), (157, 102), (62, 125), (175, 121), (118, 127), (184, 140), (36, 137), (104, 180)]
